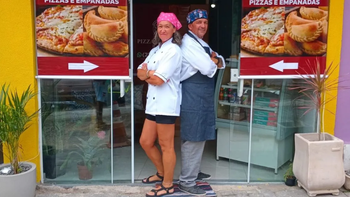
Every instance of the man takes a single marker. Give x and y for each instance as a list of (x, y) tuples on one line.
[(199, 66)]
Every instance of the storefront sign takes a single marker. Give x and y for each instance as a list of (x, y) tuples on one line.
[(82, 38), (283, 38)]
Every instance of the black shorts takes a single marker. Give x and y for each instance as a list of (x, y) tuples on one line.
[(162, 119)]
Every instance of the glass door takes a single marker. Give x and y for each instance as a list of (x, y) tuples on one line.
[(271, 141), (77, 119), (122, 135)]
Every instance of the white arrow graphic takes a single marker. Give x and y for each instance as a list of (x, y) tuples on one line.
[(86, 66), (280, 66)]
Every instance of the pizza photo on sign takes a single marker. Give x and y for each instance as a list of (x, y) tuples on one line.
[(284, 31), (75, 30)]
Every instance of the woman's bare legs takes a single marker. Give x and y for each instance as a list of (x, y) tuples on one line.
[(147, 142), (166, 134)]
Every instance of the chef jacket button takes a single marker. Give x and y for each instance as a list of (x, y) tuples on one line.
[(147, 61), (154, 62), (162, 51), (154, 98)]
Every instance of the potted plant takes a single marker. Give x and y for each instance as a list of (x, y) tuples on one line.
[(14, 120), (89, 153), (318, 152), (289, 178)]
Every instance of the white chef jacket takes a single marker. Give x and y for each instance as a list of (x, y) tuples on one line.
[(166, 61), (196, 59)]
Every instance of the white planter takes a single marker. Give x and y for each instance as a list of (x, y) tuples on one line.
[(318, 165), (19, 185), (347, 182)]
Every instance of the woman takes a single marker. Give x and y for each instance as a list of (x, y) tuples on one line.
[(161, 70)]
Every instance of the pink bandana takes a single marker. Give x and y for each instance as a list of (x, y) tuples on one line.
[(169, 17)]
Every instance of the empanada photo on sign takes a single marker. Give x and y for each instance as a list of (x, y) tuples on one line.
[(291, 46), (312, 13), (106, 31), (112, 13)]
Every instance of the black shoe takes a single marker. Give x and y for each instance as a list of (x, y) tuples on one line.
[(195, 190), (203, 176)]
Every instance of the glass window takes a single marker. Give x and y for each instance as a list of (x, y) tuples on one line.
[(76, 131), (256, 121)]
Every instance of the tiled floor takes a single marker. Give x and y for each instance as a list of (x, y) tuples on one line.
[(223, 170)]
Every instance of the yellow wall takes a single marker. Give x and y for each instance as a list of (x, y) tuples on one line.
[(17, 64), (335, 27)]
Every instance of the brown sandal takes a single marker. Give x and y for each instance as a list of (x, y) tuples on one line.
[(147, 181), (162, 188)]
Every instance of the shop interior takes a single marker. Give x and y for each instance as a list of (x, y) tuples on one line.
[(74, 131)]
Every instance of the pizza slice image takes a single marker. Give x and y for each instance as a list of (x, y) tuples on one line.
[(75, 44), (262, 16), (263, 31), (257, 40), (50, 40), (55, 27), (276, 45), (253, 19)]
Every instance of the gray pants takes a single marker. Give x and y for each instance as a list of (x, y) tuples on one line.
[(191, 157)]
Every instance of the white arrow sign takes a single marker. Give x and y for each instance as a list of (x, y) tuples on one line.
[(86, 66), (280, 66)]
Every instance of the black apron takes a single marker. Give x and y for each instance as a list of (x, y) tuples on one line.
[(197, 106)]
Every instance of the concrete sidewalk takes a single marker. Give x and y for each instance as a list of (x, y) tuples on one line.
[(139, 190)]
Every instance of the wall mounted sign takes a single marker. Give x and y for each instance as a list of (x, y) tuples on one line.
[(82, 38), (282, 38)]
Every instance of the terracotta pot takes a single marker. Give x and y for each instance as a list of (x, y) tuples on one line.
[(84, 173)]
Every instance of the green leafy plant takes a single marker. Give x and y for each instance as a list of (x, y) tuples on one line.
[(318, 87), (289, 173), (89, 151), (14, 120)]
